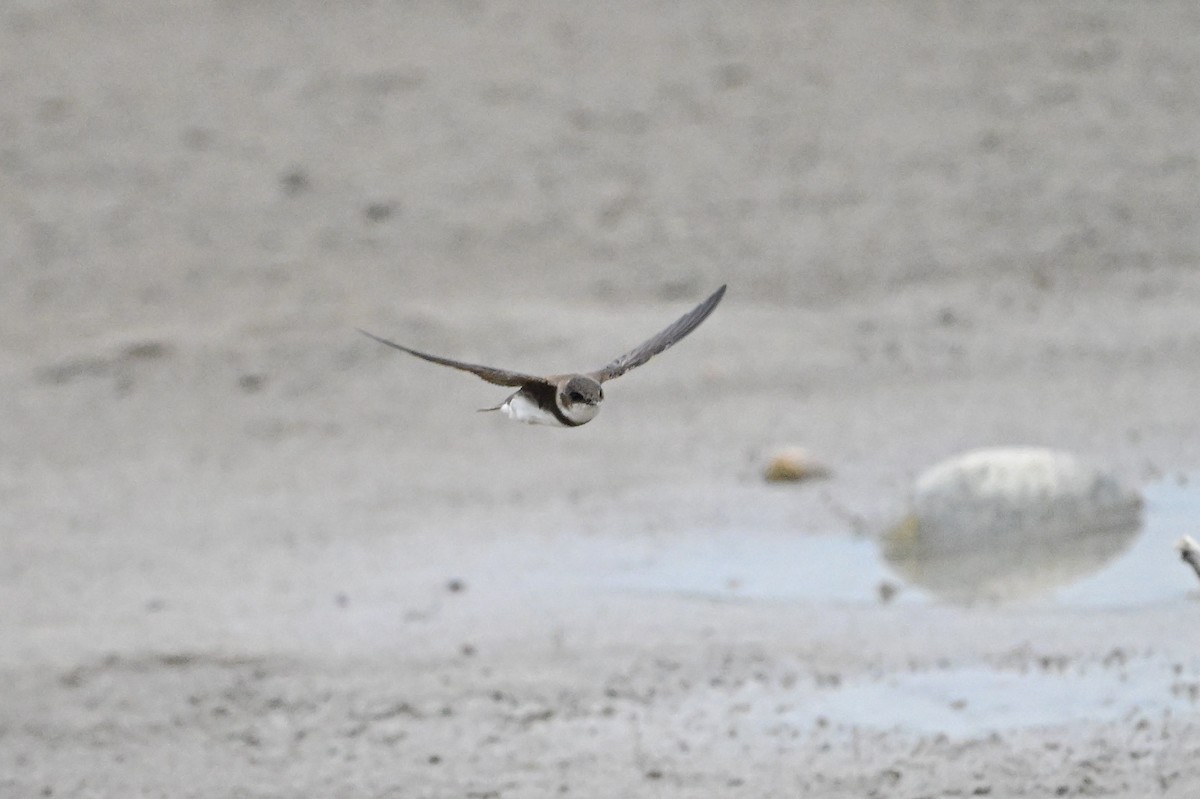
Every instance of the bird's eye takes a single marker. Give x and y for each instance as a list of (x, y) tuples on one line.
[(576, 396)]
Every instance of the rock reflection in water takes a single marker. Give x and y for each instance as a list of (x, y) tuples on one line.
[(1011, 523)]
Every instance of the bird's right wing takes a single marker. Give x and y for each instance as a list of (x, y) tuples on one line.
[(501, 377)]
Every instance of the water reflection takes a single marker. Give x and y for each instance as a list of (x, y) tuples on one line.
[(1007, 563), (1008, 524)]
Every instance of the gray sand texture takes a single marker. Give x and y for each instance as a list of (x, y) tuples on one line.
[(247, 552)]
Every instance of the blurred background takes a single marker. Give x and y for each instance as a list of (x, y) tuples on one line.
[(164, 163), (945, 225)]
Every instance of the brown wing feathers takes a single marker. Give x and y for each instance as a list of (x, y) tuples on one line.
[(619, 366), (501, 377)]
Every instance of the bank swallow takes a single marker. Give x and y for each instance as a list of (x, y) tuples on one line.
[(569, 400)]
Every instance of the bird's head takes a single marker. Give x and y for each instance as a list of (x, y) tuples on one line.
[(579, 398)]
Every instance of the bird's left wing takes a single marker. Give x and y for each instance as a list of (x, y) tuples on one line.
[(648, 349)]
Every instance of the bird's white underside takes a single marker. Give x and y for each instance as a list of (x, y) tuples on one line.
[(523, 409)]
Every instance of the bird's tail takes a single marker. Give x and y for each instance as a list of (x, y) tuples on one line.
[(501, 405)]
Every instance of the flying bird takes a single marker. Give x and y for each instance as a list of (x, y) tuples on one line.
[(569, 400)]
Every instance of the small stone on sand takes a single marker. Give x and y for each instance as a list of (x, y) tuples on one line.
[(793, 464)]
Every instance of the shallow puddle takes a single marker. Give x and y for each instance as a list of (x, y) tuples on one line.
[(1140, 568), (745, 568), (1110, 569), (976, 701)]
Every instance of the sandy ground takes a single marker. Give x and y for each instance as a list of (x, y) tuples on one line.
[(246, 552)]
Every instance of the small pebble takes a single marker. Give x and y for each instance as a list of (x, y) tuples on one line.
[(791, 465)]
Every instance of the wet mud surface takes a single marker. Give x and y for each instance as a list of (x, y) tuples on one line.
[(245, 553)]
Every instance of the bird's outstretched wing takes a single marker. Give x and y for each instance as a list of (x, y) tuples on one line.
[(648, 349), (501, 377)]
